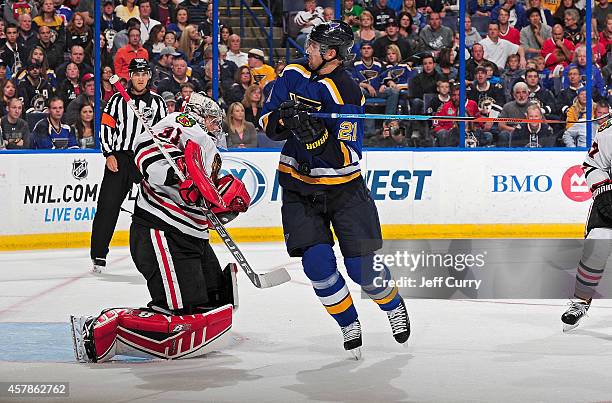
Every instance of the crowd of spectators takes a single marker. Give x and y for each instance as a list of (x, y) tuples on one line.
[(520, 53), (46, 74)]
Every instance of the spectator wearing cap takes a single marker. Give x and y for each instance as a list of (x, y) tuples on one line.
[(507, 31), (11, 52), (435, 36), (534, 34), (27, 36), (54, 51), (14, 131), (77, 56), (87, 96), (234, 53), (179, 77), (497, 50), (197, 10), (121, 38), (557, 50), (170, 101), (146, 22), (109, 22), (262, 73), (382, 13), (392, 38), (34, 89), (70, 88), (518, 17), (52, 132), (307, 19), (127, 9), (14, 8), (163, 67), (129, 52), (164, 12)]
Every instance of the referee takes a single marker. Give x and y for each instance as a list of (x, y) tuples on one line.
[(119, 127)]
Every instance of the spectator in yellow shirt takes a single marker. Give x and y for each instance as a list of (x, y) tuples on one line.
[(261, 72)]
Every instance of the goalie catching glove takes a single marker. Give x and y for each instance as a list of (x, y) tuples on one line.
[(295, 117)]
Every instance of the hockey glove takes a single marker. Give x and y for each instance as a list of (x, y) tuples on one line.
[(189, 192), (236, 198), (603, 200), (295, 117)]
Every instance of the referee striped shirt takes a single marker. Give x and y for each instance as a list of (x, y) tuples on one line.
[(120, 125)]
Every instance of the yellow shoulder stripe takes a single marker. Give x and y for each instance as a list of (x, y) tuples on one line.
[(333, 90), (296, 67)]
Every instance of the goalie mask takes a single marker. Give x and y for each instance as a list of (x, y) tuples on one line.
[(208, 114)]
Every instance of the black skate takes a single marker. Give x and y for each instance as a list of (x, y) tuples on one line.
[(352, 338), (99, 264), (574, 314), (400, 323)]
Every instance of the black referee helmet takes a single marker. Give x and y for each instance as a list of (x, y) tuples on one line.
[(139, 64)]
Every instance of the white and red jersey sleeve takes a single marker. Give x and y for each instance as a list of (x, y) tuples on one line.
[(598, 161)]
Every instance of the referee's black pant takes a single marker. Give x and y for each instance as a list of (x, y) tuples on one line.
[(115, 187)]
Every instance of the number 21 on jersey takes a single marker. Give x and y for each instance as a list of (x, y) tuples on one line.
[(348, 131)]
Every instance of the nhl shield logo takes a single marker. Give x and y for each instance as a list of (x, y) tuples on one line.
[(79, 169)]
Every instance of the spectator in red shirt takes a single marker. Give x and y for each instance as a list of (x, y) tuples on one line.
[(447, 132), (126, 54), (507, 31), (557, 50)]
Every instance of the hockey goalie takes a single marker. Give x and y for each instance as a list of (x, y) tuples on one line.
[(192, 299)]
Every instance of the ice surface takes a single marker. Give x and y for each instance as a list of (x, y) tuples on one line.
[(286, 348)]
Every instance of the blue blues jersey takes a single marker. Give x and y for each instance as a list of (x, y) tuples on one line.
[(46, 136), (398, 73), (334, 158), (371, 74)]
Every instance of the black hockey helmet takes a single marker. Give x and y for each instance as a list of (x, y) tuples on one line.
[(139, 64), (336, 35)]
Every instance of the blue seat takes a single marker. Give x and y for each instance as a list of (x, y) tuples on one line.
[(481, 23), (375, 101)]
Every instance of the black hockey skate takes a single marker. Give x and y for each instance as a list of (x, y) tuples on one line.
[(400, 323), (574, 314), (99, 264), (352, 338)]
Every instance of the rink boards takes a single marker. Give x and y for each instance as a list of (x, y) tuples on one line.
[(49, 200)]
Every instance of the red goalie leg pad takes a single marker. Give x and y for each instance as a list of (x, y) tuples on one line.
[(142, 333), (105, 334)]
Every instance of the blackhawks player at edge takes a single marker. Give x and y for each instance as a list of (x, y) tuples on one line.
[(320, 173), (598, 243)]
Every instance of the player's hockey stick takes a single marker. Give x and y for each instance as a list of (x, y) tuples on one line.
[(265, 280), (446, 118)]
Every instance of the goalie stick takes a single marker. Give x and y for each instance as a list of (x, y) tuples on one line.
[(446, 118), (264, 280)]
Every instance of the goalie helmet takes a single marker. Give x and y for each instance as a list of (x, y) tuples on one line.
[(208, 114)]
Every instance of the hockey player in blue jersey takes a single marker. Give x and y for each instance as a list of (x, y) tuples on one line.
[(320, 173)]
